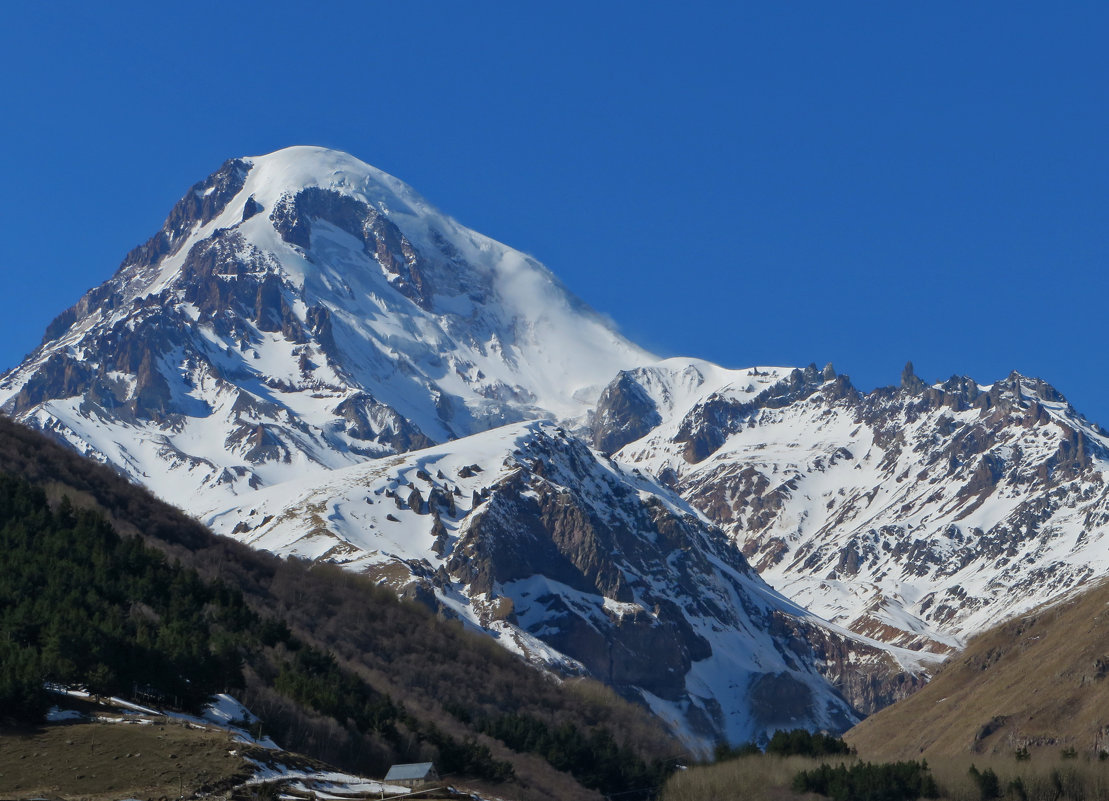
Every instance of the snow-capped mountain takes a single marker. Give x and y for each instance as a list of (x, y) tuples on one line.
[(302, 311), (918, 514), (311, 358)]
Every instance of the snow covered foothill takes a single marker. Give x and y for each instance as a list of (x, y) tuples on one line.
[(576, 563)]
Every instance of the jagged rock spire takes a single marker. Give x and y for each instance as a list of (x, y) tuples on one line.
[(909, 380)]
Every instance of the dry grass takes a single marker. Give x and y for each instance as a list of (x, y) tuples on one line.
[(102, 761), (1040, 681), (1041, 779), (753, 778)]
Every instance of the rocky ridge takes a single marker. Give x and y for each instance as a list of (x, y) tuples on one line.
[(917, 514)]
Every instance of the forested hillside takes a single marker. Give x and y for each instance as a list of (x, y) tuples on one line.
[(101, 584)]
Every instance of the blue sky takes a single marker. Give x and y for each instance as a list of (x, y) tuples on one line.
[(860, 183)]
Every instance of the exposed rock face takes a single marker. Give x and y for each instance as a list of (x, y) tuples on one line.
[(707, 426), (250, 208), (532, 526), (915, 515), (200, 205), (867, 675), (909, 381), (625, 412), (59, 373), (369, 420), (293, 217)]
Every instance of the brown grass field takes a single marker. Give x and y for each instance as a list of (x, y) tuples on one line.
[(753, 778), (1040, 681), (104, 761)]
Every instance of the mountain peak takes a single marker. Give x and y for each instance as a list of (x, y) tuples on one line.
[(291, 170), (304, 309), (302, 166)]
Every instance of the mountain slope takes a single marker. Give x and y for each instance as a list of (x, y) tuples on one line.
[(581, 567), (306, 336), (917, 514)]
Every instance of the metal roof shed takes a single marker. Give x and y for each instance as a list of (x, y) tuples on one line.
[(412, 774)]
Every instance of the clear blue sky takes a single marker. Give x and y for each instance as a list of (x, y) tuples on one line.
[(773, 183)]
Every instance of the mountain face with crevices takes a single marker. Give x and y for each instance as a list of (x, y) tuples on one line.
[(918, 514)]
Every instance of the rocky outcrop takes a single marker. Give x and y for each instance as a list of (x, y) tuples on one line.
[(910, 382), (250, 208), (60, 376), (293, 217), (869, 677), (625, 412), (200, 205), (709, 424), (369, 420)]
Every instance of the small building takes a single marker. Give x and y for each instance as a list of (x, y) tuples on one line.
[(414, 775)]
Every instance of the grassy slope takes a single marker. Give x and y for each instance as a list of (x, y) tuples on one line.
[(1040, 681), (761, 778)]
